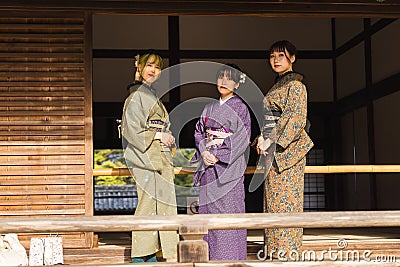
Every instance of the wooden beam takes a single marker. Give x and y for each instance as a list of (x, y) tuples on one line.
[(294, 8), (362, 97), (251, 170), (268, 263), (360, 263), (209, 54), (127, 223), (370, 111), (353, 42)]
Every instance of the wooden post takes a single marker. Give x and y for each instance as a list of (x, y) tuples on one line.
[(193, 248)]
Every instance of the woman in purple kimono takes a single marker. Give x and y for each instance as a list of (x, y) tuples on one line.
[(222, 136)]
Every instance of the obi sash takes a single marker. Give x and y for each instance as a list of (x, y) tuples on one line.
[(270, 120), (156, 125), (216, 136)]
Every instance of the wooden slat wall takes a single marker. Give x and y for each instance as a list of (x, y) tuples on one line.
[(45, 117)]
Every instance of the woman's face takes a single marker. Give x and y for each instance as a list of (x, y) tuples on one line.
[(280, 63), (226, 86), (150, 71)]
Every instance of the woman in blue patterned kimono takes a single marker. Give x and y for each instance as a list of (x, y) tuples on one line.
[(285, 131), (222, 136)]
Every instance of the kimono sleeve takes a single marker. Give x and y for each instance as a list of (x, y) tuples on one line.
[(134, 123), (294, 115), (199, 136), (235, 145)]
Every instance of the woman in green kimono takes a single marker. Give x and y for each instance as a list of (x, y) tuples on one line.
[(285, 143), (147, 143)]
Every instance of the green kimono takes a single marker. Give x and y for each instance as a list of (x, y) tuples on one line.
[(151, 166)]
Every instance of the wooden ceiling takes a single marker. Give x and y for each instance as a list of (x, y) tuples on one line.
[(272, 8)]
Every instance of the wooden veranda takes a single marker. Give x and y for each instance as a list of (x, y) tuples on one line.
[(46, 135), (353, 246)]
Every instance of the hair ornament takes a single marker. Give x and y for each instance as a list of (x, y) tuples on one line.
[(242, 78), (137, 74)]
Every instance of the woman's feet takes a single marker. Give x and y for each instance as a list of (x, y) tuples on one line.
[(148, 258), (137, 260), (151, 258)]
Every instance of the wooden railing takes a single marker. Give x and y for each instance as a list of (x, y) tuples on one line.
[(193, 251), (192, 228), (252, 169)]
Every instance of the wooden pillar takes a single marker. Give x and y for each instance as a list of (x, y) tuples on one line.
[(193, 248)]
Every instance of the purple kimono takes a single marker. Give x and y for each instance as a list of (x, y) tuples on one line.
[(221, 185)]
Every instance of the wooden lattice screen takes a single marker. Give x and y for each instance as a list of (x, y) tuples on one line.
[(45, 117)]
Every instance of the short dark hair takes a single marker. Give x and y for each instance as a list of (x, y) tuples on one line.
[(283, 46), (232, 71)]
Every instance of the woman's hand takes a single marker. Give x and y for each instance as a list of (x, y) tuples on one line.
[(166, 139), (263, 145), (208, 158)]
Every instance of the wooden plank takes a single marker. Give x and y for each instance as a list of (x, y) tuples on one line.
[(41, 40), (33, 79), (42, 133), (100, 263), (252, 169), (267, 263), (373, 9), (45, 162), (26, 237), (39, 103), (41, 172), (69, 242), (54, 188), (43, 50), (44, 17), (53, 159), (63, 89), (40, 118), (44, 26), (89, 208), (127, 223), (41, 197), (32, 209), (42, 83), (47, 74), (30, 192), (37, 138), (36, 213), (78, 112), (36, 132), (41, 45), (45, 144), (353, 168), (43, 36), (32, 56), (27, 202), (41, 123), (16, 69), (41, 180), (42, 64), (38, 93), (42, 150), (34, 128)]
